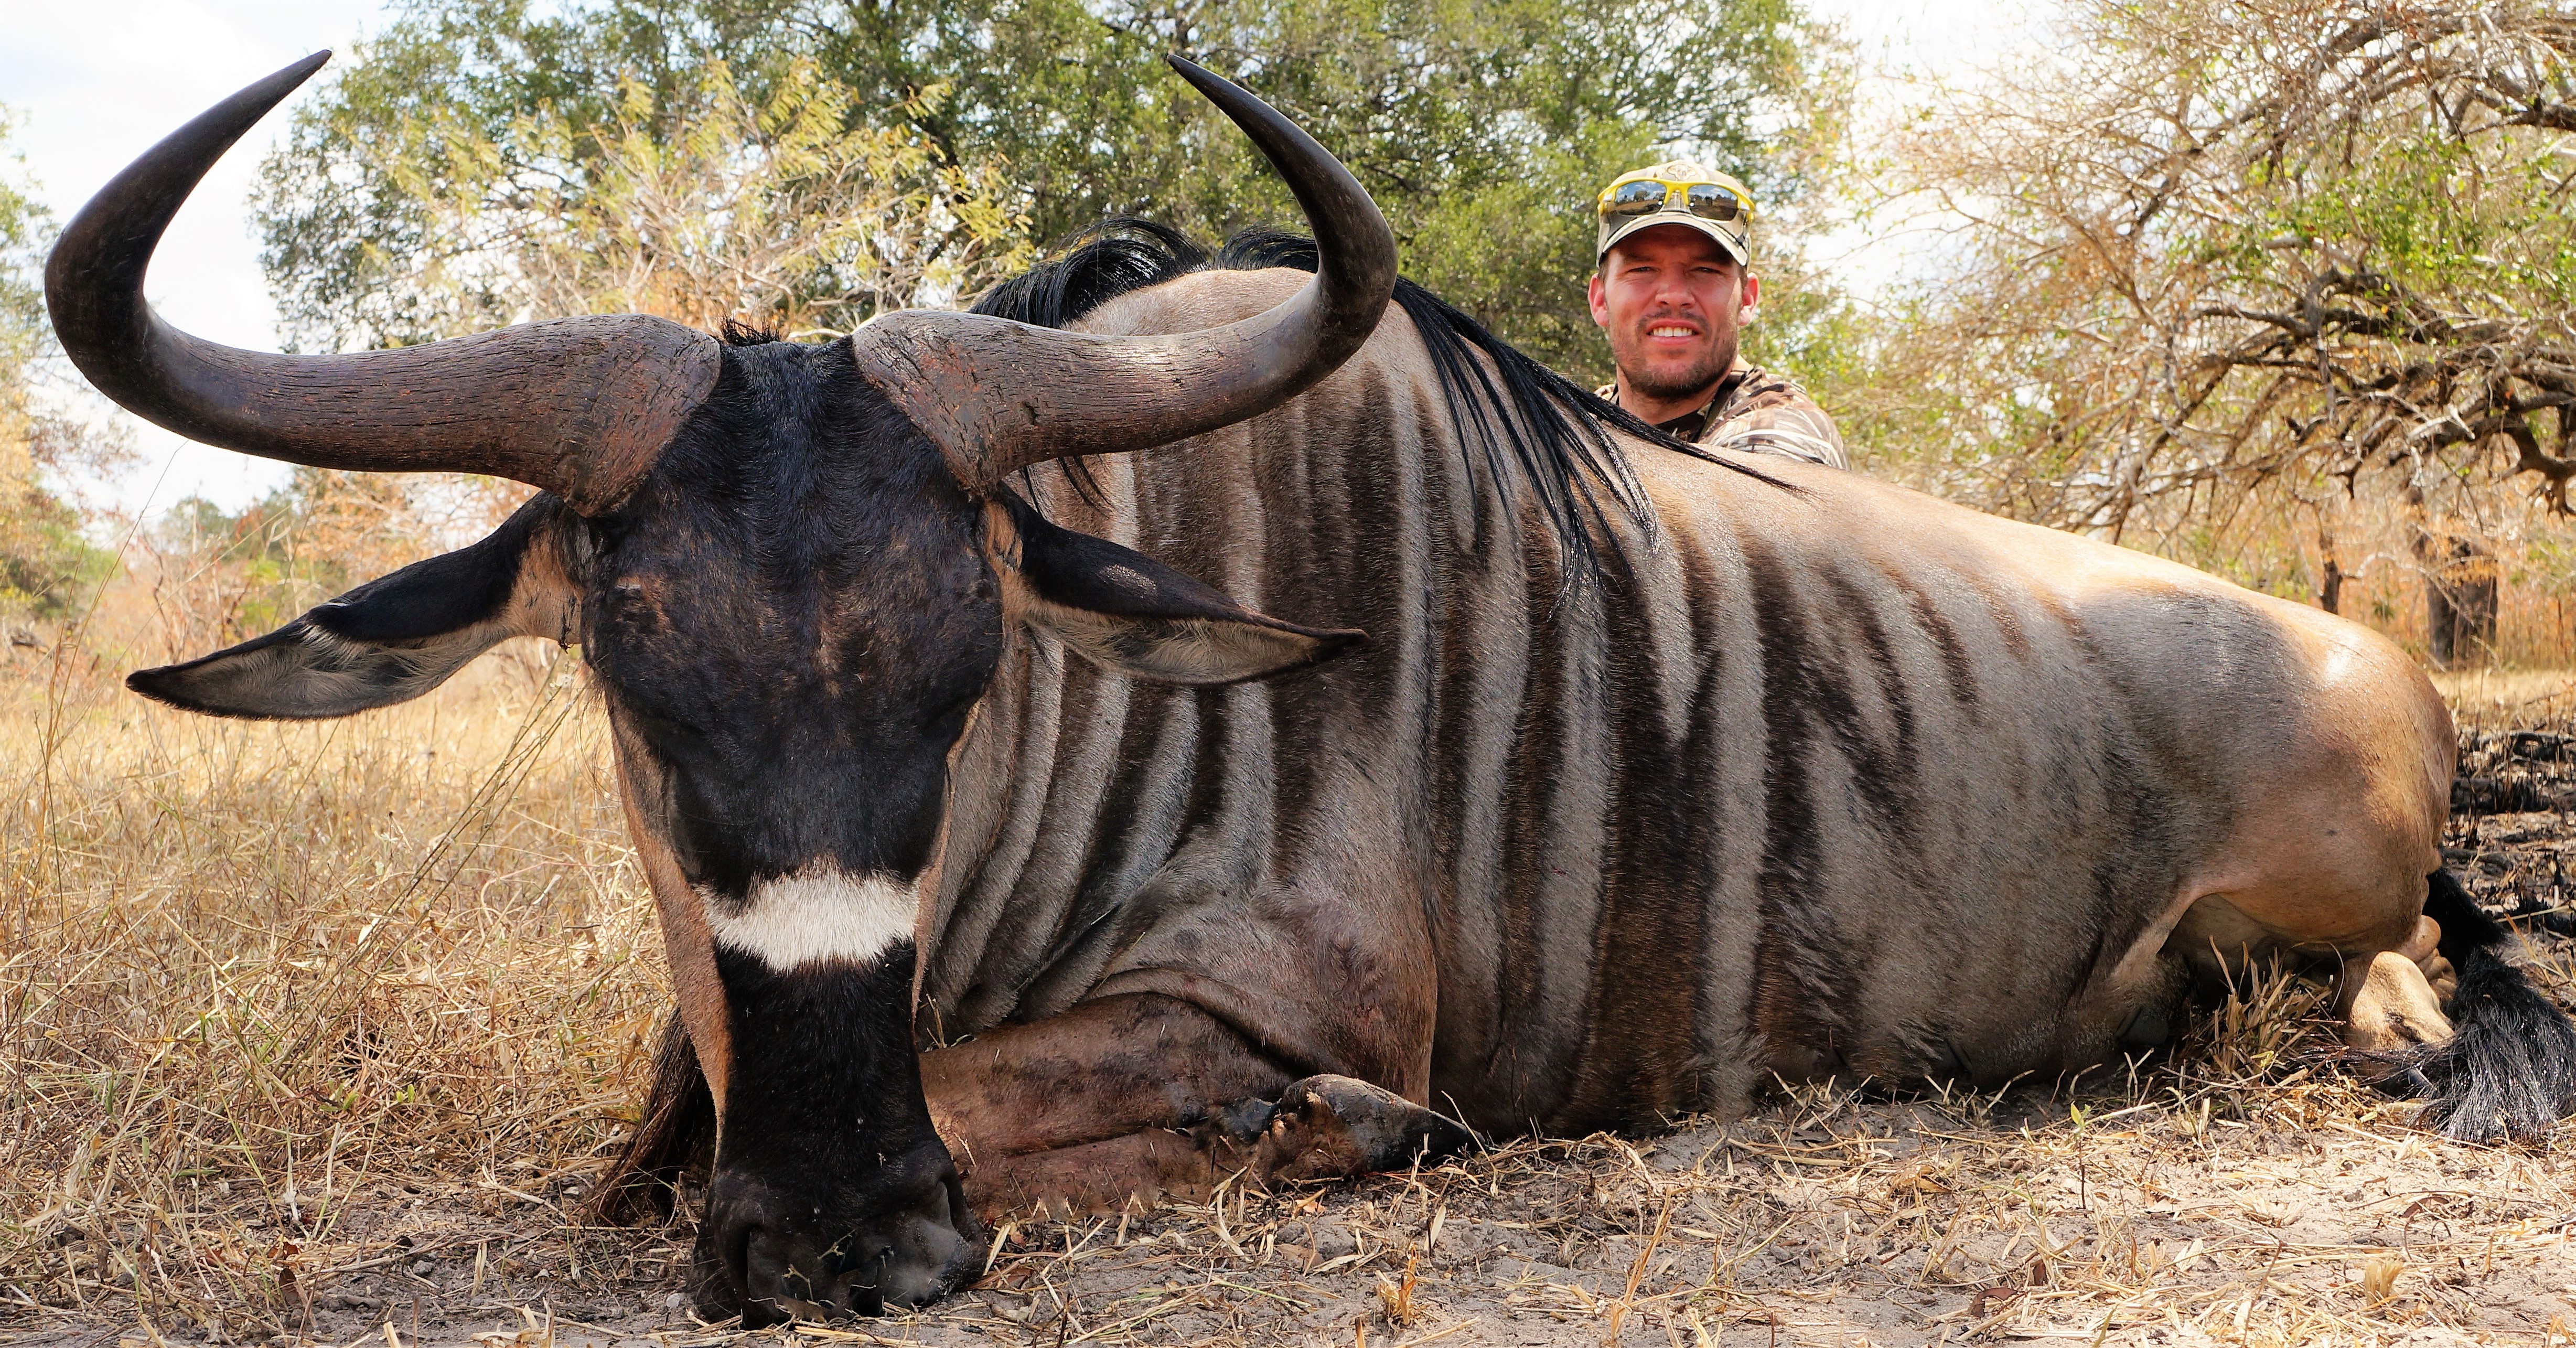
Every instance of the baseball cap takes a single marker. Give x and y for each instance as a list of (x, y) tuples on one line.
[(1693, 194)]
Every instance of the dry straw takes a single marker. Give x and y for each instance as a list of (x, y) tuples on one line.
[(268, 986)]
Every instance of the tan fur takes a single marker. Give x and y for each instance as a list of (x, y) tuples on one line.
[(1102, 1176), (2342, 772), (545, 601), (686, 939)]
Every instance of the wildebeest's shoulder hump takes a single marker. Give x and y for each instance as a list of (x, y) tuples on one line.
[(1203, 299)]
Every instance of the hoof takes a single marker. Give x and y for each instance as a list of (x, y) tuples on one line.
[(1331, 1127)]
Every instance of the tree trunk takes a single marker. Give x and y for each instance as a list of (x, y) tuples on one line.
[(2459, 599)]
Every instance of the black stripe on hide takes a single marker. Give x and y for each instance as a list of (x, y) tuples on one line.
[(1955, 665), (1530, 804), (1803, 975), (1888, 774), (1643, 1062)]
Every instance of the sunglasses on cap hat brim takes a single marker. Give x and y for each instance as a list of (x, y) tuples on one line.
[(1656, 196)]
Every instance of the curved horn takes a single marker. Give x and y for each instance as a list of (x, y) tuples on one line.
[(579, 406), (998, 396)]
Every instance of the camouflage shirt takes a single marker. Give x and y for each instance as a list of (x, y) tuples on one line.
[(1761, 413)]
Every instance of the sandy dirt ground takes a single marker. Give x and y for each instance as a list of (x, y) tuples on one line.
[(2241, 1189)]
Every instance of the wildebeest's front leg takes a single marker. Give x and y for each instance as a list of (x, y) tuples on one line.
[(1144, 1094)]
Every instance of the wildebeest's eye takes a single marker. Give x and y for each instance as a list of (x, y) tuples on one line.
[(631, 602)]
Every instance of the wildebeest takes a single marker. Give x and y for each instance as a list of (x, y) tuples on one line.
[(1612, 782)]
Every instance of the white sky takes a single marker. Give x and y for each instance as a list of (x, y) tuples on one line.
[(93, 84), (1904, 46), (1936, 37)]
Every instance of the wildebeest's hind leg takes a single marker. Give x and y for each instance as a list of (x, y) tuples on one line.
[(1143, 1095), (2440, 1011), (2392, 1001), (2508, 1069)]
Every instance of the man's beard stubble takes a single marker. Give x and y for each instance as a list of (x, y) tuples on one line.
[(1700, 377)]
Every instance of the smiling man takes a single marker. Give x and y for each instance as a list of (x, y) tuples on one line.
[(1674, 289)]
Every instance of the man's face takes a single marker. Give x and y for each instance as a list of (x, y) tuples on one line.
[(1673, 304)]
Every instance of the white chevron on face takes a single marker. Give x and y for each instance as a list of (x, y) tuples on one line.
[(819, 913)]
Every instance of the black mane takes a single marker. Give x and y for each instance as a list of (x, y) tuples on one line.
[(1533, 425)]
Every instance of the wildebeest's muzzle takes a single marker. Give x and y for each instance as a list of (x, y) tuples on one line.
[(832, 1194)]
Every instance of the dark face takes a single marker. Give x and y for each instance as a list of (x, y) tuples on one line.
[(793, 616), (791, 619)]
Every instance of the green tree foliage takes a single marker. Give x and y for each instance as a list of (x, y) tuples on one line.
[(46, 567), (782, 207), (1481, 127), (2213, 257)]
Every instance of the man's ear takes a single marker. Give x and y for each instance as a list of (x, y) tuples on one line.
[(394, 638), (1127, 612)]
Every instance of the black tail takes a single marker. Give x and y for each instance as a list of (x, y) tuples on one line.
[(2509, 1068)]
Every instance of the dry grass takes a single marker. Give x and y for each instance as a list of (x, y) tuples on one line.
[(268, 987), (2505, 698), (313, 1032)]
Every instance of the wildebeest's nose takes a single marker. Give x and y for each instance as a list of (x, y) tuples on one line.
[(906, 1240)]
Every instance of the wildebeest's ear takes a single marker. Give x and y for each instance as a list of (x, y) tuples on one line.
[(1127, 612), (394, 638)]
